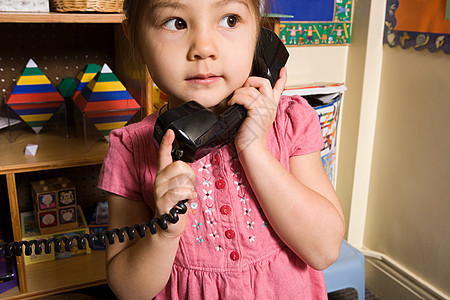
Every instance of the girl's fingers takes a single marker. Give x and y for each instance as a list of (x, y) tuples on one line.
[(172, 196), (280, 84), (178, 169), (180, 180), (261, 84), (165, 150)]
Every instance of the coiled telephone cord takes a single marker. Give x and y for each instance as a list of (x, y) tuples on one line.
[(106, 236)]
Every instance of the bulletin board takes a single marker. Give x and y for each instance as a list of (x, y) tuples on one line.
[(420, 24), (318, 22)]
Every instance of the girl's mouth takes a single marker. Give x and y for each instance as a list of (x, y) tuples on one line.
[(204, 78)]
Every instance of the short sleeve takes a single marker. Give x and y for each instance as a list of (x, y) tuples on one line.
[(303, 131), (119, 174)]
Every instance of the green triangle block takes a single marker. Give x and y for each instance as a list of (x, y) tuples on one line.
[(67, 87)]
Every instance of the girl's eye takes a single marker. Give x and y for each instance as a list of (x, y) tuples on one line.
[(175, 24), (229, 21)]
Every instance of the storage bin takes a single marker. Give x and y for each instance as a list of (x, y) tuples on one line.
[(109, 6)]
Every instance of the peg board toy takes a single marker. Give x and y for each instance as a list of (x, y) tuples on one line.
[(34, 98), (54, 204)]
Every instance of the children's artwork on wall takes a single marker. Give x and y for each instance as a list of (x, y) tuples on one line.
[(418, 24), (34, 98), (106, 102), (319, 22)]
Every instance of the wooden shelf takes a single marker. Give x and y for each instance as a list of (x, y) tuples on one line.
[(62, 275), (54, 151), (54, 17)]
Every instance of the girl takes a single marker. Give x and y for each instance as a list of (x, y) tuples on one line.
[(263, 217)]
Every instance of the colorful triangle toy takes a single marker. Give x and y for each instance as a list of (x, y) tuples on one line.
[(34, 98), (84, 77), (106, 102)]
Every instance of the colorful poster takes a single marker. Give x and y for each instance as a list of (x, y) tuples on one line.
[(320, 22)]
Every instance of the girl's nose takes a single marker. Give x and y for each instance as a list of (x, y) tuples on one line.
[(203, 45)]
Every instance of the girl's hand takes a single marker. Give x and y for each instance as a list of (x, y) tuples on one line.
[(261, 102), (175, 181)]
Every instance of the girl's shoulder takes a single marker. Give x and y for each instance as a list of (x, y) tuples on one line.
[(136, 130), (299, 124), (295, 109)]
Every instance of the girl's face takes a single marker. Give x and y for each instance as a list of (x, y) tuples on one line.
[(199, 49)]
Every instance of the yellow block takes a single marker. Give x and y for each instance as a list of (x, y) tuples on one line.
[(36, 79), (108, 86), (86, 77), (112, 125), (31, 118)]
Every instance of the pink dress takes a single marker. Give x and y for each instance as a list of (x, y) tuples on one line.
[(228, 250)]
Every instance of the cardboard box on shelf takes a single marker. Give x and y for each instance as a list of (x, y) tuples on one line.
[(55, 204), (30, 231), (99, 222)]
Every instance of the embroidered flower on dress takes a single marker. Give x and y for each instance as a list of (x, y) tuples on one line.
[(211, 222), (250, 224), (214, 235), (207, 194), (209, 209), (235, 172), (199, 239), (251, 239), (219, 248), (206, 181), (204, 167), (197, 224), (265, 224), (239, 185), (247, 211), (243, 197), (194, 205)]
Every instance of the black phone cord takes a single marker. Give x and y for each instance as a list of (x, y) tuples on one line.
[(106, 236)]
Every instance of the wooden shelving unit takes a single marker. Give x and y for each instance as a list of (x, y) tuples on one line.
[(54, 152)]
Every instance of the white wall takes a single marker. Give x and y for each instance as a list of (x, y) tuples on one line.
[(311, 64)]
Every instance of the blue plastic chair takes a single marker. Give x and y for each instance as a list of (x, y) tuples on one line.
[(347, 271)]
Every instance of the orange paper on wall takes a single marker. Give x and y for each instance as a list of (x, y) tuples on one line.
[(422, 16)]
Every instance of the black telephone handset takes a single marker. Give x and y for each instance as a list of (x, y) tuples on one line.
[(199, 130)]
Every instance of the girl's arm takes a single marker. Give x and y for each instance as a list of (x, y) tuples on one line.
[(137, 269), (301, 206), (140, 269)]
